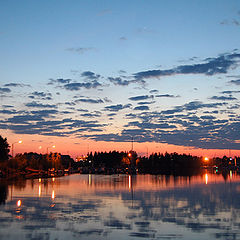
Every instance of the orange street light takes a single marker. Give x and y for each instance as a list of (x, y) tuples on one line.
[(206, 159), (13, 146)]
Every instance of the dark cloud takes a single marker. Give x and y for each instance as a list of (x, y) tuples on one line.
[(81, 50), (5, 90), (223, 98), (16, 85), (118, 107), (41, 95), (77, 86), (145, 103), (166, 96), (153, 91), (7, 106), (89, 100), (7, 111), (236, 82), (142, 108), (140, 98), (230, 92), (59, 81), (40, 105), (119, 81), (212, 66), (90, 75)]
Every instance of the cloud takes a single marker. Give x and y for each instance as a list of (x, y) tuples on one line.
[(89, 100), (119, 81), (230, 92), (166, 96), (236, 82), (223, 98), (140, 98), (40, 105), (142, 108), (230, 22), (81, 50), (5, 90), (118, 107), (16, 85), (211, 66), (77, 86), (90, 75), (59, 81), (123, 38), (41, 95)]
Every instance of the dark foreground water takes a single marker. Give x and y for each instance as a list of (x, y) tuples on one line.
[(121, 207)]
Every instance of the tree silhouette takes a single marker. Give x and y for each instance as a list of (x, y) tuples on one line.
[(4, 149)]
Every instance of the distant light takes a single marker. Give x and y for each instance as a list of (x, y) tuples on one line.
[(53, 179), (129, 154), (206, 159), (53, 146), (20, 141), (19, 203)]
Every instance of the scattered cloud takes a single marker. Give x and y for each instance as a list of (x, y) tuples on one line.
[(40, 105), (140, 98), (16, 85), (5, 90), (77, 86), (118, 107), (211, 66), (123, 38), (89, 100), (81, 50), (166, 96), (236, 82), (141, 108), (223, 98), (41, 95)]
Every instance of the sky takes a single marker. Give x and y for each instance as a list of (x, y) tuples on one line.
[(97, 75)]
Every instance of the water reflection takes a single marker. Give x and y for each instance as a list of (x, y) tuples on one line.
[(122, 207)]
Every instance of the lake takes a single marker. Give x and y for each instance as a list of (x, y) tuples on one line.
[(121, 207)]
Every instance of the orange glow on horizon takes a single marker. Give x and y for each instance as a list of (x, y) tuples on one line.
[(77, 147)]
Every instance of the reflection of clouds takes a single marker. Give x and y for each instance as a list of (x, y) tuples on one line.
[(212, 210)]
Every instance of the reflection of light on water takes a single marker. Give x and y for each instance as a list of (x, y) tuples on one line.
[(206, 178), (89, 179), (53, 194), (129, 182), (230, 174), (39, 180), (19, 203), (39, 190), (53, 179)]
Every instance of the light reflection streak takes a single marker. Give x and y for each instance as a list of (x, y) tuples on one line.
[(39, 190), (129, 182), (53, 194), (89, 179), (19, 203), (206, 178)]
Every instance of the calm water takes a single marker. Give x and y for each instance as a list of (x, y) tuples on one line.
[(121, 207)]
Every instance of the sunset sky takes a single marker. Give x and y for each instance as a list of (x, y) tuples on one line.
[(92, 75)]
